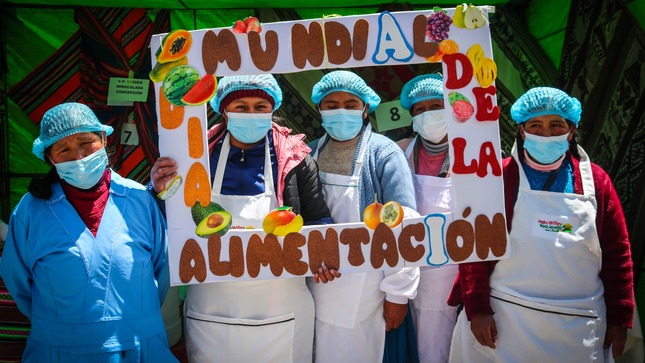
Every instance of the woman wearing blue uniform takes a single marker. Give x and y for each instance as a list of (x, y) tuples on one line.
[(85, 256)]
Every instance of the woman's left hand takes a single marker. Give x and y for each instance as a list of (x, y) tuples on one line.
[(394, 314), (616, 337)]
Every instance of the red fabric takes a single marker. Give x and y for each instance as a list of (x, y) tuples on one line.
[(472, 284), (90, 204), (430, 164), (244, 93)]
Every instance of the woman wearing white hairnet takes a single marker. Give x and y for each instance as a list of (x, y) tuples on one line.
[(565, 294), (85, 256), (427, 154), (354, 313), (256, 166)]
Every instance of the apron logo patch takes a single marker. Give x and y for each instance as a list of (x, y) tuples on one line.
[(552, 225)]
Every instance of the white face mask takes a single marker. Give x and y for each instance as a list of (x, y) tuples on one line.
[(431, 125)]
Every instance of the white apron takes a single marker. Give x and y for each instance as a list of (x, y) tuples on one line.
[(547, 297), (433, 318), (349, 311), (249, 321)]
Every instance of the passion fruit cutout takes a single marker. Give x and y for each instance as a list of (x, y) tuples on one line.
[(391, 214)]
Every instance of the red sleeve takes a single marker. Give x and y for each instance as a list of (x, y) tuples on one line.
[(472, 286), (617, 266)]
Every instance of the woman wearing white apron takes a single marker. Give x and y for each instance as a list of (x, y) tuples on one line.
[(254, 321), (353, 313), (427, 155), (566, 292)]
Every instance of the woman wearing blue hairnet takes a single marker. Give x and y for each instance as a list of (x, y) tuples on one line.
[(85, 256), (256, 166), (429, 161), (565, 293), (354, 313)]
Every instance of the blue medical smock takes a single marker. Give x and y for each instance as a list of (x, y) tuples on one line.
[(84, 294)]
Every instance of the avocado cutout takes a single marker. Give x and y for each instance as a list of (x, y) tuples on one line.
[(211, 219)]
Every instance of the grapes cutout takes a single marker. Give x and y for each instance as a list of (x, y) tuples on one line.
[(438, 25)]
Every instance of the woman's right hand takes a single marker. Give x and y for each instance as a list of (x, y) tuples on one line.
[(484, 329), (162, 171)]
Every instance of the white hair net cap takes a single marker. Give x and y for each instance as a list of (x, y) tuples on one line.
[(541, 101), (422, 88), (263, 82), (345, 81), (64, 120)]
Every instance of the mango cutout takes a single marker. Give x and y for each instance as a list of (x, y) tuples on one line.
[(292, 227), (282, 221)]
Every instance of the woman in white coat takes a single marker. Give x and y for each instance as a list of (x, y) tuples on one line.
[(354, 312), (427, 155)]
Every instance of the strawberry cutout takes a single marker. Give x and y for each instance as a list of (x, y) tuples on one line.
[(252, 24), (249, 24), (239, 27)]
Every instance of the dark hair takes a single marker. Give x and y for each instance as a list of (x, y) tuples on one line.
[(573, 144), (41, 187)]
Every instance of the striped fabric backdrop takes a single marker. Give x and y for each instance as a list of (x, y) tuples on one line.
[(109, 43)]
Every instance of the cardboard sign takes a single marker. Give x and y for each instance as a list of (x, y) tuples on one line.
[(390, 116), (122, 91), (475, 231)]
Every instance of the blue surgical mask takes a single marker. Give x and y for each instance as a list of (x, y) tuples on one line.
[(86, 172), (249, 128), (546, 150), (431, 125), (342, 124)]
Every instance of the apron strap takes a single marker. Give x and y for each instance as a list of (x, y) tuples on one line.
[(586, 174), (362, 147), (524, 183), (221, 164), (409, 151)]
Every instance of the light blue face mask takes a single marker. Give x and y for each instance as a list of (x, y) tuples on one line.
[(546, 150), (249, 128), (86, 172), (342, 124)]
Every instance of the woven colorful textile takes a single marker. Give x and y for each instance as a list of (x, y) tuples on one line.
[(14, 328), (110, 43)]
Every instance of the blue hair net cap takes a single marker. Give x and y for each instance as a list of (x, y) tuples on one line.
[(64, 120), (345, 81), (541, 101), (264, 82), (422, 88)]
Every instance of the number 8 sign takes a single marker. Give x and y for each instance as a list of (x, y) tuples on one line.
[(391, 115)]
